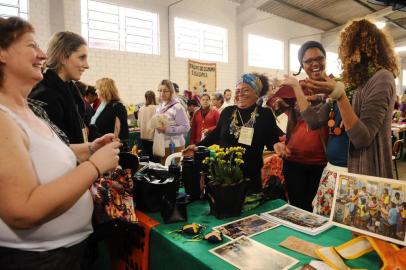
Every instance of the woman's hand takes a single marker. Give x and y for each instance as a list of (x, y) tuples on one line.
[(161, 129), (281, 149), (189, 151), (106, 158), (102, 141), (324, 87), (291, 81)]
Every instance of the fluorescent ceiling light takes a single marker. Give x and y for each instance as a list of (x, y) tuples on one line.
[(380, 24), (400, 49)]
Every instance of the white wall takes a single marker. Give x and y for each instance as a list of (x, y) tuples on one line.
[(135, 73), (274, 27)]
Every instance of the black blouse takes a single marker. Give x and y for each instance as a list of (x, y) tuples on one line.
[(266, 132)]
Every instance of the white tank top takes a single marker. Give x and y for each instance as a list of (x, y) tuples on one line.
[(51, 159)]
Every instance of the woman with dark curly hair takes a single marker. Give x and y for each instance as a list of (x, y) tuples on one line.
[(369, 71)]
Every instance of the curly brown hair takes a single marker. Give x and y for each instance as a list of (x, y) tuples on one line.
[(365, 49)]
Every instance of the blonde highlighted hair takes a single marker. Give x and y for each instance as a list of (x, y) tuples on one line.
[(107, 89), (61, 46)]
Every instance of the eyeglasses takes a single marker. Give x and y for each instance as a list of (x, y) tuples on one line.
[(317, 59), (164, 91)]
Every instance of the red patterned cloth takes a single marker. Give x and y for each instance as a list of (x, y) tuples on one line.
[(272, 167)]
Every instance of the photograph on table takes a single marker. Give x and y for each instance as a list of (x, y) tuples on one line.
[(298, 219), (245, 253), (247, 226), (371, 205)]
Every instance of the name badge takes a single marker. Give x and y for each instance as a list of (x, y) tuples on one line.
[(246, 135)]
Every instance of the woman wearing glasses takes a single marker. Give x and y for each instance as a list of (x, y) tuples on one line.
[(66, 61), (178, 123), (304, 149), (246, 114), (369, 71)]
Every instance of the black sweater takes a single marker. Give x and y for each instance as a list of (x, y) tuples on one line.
[(64, 105), (105, 122), (266, 132)]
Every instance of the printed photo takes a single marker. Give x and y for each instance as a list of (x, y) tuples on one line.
[(371, 205), (298, 219), (245, 253), (247, 226)]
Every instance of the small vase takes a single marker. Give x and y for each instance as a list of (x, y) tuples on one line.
[(226, 200)]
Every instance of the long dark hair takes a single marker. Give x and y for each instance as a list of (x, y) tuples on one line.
[(150, 98)]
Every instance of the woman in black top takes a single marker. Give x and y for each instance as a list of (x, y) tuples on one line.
[(247, 114), (111, 115), (66, 61)]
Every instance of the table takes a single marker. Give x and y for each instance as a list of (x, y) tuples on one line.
[(170, 252)]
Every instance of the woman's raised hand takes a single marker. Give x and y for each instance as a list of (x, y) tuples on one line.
[(102, 141), (189, 151), (324, 87), (106, 158)]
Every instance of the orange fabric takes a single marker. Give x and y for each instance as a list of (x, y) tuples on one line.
[(391, 256), (139, 255), (272, 167)]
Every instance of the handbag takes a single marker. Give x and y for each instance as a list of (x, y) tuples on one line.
[(158, 147), (113, 198), (151, 186), (173, 211)]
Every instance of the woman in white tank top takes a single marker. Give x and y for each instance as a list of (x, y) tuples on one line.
[(45, 205)]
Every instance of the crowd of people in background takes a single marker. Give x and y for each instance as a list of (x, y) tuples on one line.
[(62, 134)]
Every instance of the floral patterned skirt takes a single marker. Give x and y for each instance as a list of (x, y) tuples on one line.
[(323, 200)]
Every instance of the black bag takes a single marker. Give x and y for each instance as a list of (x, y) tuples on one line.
[(175, 211), (150, 187), (274, 189)]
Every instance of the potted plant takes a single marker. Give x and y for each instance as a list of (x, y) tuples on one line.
[(226, 183)]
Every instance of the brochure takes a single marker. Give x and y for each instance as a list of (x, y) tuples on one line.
[(298, 219), (247, 226)]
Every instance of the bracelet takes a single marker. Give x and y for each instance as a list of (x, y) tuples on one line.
[(97, 169), (91, 151), (338, 91)]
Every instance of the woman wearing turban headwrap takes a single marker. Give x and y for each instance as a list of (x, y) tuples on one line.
[(246, 113)]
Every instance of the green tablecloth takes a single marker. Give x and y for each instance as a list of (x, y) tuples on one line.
[(169, 251)]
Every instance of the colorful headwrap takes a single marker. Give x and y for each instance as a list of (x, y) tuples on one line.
[(253, 81)]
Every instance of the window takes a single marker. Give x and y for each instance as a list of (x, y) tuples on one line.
[(333, 64), (200, 41), (114, 27), (14, 8), (265, 52), (294, 64)]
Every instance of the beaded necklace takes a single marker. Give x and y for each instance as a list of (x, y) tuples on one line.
[(235, 129)]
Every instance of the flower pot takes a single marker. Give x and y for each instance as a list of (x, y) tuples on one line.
[(226, 200)]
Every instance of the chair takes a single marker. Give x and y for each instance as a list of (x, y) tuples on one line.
[(168, 160), (396, 154)]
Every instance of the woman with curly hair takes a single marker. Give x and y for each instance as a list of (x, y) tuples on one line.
[(246, 115), (369, 71)]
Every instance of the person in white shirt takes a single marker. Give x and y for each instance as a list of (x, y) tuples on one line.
[(145, 114), (45, 205), (227, 98)]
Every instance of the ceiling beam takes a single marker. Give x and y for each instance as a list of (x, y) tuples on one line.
[(374, 10), (311, 13)]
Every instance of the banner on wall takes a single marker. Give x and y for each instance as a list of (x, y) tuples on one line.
[(202, 77)]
